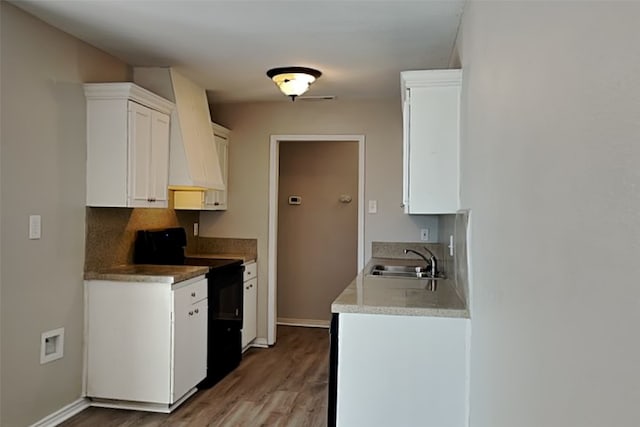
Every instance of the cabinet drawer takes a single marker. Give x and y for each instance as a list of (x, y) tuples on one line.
[(250, 271), (196, 291)]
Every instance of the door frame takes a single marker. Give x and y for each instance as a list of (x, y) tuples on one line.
[(274, 169)]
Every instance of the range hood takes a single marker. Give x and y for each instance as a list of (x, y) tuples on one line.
[(193, 158)]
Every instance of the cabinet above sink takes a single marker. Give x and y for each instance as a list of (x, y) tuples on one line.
[(431, 121)]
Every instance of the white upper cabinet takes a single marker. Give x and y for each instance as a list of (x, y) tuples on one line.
[(431, 113), (127, 146), (216, 200)]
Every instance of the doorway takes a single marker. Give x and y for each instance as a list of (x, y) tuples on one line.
[(317, 228), (294, 147)]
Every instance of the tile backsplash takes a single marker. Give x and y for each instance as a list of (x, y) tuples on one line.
[(111, 232), (396, 249), (222, 245)]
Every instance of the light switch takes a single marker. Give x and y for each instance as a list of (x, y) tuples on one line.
[(34, 227), (373, 206)]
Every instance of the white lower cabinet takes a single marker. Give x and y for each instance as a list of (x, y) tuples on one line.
[(250, 305), (146, 343), (402, 371)]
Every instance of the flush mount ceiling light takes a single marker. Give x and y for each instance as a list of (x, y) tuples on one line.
[(293, 81)]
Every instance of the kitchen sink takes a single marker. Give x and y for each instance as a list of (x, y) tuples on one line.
[(399, 268), (403, 271)]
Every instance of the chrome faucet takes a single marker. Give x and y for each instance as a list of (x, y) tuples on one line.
[(433, 261)]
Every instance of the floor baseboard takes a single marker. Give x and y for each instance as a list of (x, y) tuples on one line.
[(260, 342), (63, 414)]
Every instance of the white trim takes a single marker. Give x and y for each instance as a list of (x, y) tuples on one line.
[(274, 151), (63, 414), (125, 91), (260, 343), (142, 406), (307, 323)]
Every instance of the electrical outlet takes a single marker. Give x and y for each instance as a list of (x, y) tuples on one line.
[(373, 206), (424, 234), (195, 228)]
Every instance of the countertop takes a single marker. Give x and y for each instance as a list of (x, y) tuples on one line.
[(244, 257), (147, 273), (399, 296)]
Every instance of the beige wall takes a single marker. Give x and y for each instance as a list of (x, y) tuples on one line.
[(43, 172), (253, 124), (318, 239), (551, 172)]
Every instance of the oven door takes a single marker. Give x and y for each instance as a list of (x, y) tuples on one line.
[(225, 295)]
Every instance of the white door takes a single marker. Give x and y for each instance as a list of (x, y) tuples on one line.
[(249, 314), (159, 179), (433, 150), (189, 342), (139, 154)]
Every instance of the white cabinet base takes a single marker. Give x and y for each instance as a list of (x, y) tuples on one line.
[(402, 371), (140, 406), (146, 342)]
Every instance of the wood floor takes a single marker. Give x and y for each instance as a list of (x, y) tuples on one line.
[(285, 385)]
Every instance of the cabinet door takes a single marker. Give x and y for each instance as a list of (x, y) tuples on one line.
[(148, 157), (189, 341), (422, 362), (159, 169), (249, 316), (433, 149), (217, 199), (139, 155)]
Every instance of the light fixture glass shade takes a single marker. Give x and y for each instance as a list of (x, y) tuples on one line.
[(293, 81)]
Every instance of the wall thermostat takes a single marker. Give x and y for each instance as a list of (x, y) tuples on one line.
[(295, 200)]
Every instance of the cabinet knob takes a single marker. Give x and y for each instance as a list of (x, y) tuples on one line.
[(197, 311), (216, 204), (248, 273), (191, 313), (193, 294)]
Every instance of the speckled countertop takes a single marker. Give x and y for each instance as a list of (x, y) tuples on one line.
[(399, 296), (246, 258), (147, 273)]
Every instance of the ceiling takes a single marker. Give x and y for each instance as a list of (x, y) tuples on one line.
[(227, 46)]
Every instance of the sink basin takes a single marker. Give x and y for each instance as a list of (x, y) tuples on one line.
[(399, 268), (402, 271)]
